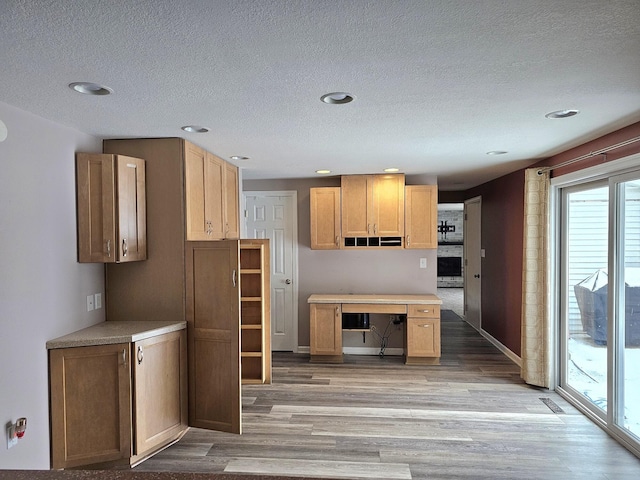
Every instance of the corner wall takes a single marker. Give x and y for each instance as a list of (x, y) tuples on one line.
[(43, 289)]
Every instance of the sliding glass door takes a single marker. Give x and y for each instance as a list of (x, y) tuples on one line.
[(625, 190), (599, 301)]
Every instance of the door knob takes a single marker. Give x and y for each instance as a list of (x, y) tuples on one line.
[(288, 281), (477, 275)]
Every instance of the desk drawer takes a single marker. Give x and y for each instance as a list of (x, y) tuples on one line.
[(373, 308), (430, 311)]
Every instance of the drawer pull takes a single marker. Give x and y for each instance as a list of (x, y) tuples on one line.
[(424, 311), (426, 325)]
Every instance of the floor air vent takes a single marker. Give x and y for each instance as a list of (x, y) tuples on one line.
[(552, 405)]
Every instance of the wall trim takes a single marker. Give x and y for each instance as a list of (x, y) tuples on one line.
[(508, 353)]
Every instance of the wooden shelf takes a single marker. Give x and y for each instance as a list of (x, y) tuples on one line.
[(251, 299), (251, 327), (250, 271), (251, 354)]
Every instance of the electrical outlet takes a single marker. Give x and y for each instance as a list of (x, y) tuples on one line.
[(423, 263), (98, 300), (12, 438), (89, 303)]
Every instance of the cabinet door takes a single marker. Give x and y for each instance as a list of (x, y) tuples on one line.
[(355, 216), (213, 333), (160, 390), (421, 216), (325, 218), (90, 405), (132, 209), (423, 337), (198, 227), (387, 206), (325, 329), (214, 197), (232, 208), (95, 185)]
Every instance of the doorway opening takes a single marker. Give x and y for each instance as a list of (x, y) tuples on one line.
[(450, 281)]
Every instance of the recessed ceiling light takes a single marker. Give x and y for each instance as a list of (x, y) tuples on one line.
[(337, 98), (195, 129), (88, 88), (238, 157), (497, 152), (323, 172), (562, 114), (391, 170)]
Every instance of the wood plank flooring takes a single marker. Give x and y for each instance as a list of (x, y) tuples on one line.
[(471, 417)]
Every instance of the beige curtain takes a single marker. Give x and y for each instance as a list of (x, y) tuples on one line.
[(535, 273)]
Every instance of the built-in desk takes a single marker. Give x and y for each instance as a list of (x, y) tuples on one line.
[(422, 332)]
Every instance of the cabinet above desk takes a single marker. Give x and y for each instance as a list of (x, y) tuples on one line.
[(422, 332)]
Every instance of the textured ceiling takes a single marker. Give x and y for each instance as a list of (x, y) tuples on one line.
[(437, 83)]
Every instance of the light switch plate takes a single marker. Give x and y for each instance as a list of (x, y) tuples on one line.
[(423, 263), (89, 303), (98, 300)]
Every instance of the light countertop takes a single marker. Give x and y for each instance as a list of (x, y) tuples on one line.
[(107, 333), (387, 299)]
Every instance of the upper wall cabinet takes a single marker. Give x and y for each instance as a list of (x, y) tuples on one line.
[(421, 216), (111, 208), (325, 218), (373, 205), (211, 196)]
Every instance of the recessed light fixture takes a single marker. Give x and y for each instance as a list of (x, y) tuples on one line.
[(88, 88), (562, 114), (497, 152), (391, 170), (323, 172), (337, 98), (238, 157), (195, 129)]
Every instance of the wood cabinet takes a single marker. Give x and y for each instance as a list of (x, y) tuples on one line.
[(325, 321), (184, 280), (373, 205), (325, 218), (255, 311), (213, 323), (422, 335), (118, 402), (111, 208), (211, 196), (421, 216)]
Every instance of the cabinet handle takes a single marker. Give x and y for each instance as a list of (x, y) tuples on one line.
[(109, 248), (124, 358), (375, 228), (124, 247), (426, 325), (368, 228), (337, 241), (233, 277), (408, 240), (337, 311), (424, 311), (140, 354)]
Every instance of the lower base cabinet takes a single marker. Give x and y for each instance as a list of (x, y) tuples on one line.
[(423, 335), (117, 403)]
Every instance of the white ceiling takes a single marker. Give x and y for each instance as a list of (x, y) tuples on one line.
[(438, 83)]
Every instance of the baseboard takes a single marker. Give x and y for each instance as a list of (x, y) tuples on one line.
[(509, 354), (372, 351), (360, 350)]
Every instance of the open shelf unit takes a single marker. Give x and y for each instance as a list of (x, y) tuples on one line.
[(255, 309)]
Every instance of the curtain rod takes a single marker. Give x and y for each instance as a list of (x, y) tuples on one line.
[(602, 151)]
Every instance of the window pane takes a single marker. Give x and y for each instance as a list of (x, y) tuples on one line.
[(628, 313), (586, 238)]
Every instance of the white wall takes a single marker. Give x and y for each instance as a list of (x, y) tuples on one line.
[(42, 287)]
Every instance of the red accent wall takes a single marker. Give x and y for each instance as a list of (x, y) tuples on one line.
[(502, 234)]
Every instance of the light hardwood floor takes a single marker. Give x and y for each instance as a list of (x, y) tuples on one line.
[(471, 417)]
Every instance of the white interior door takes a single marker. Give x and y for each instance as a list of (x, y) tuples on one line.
[(273, 215), (472, 262)]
